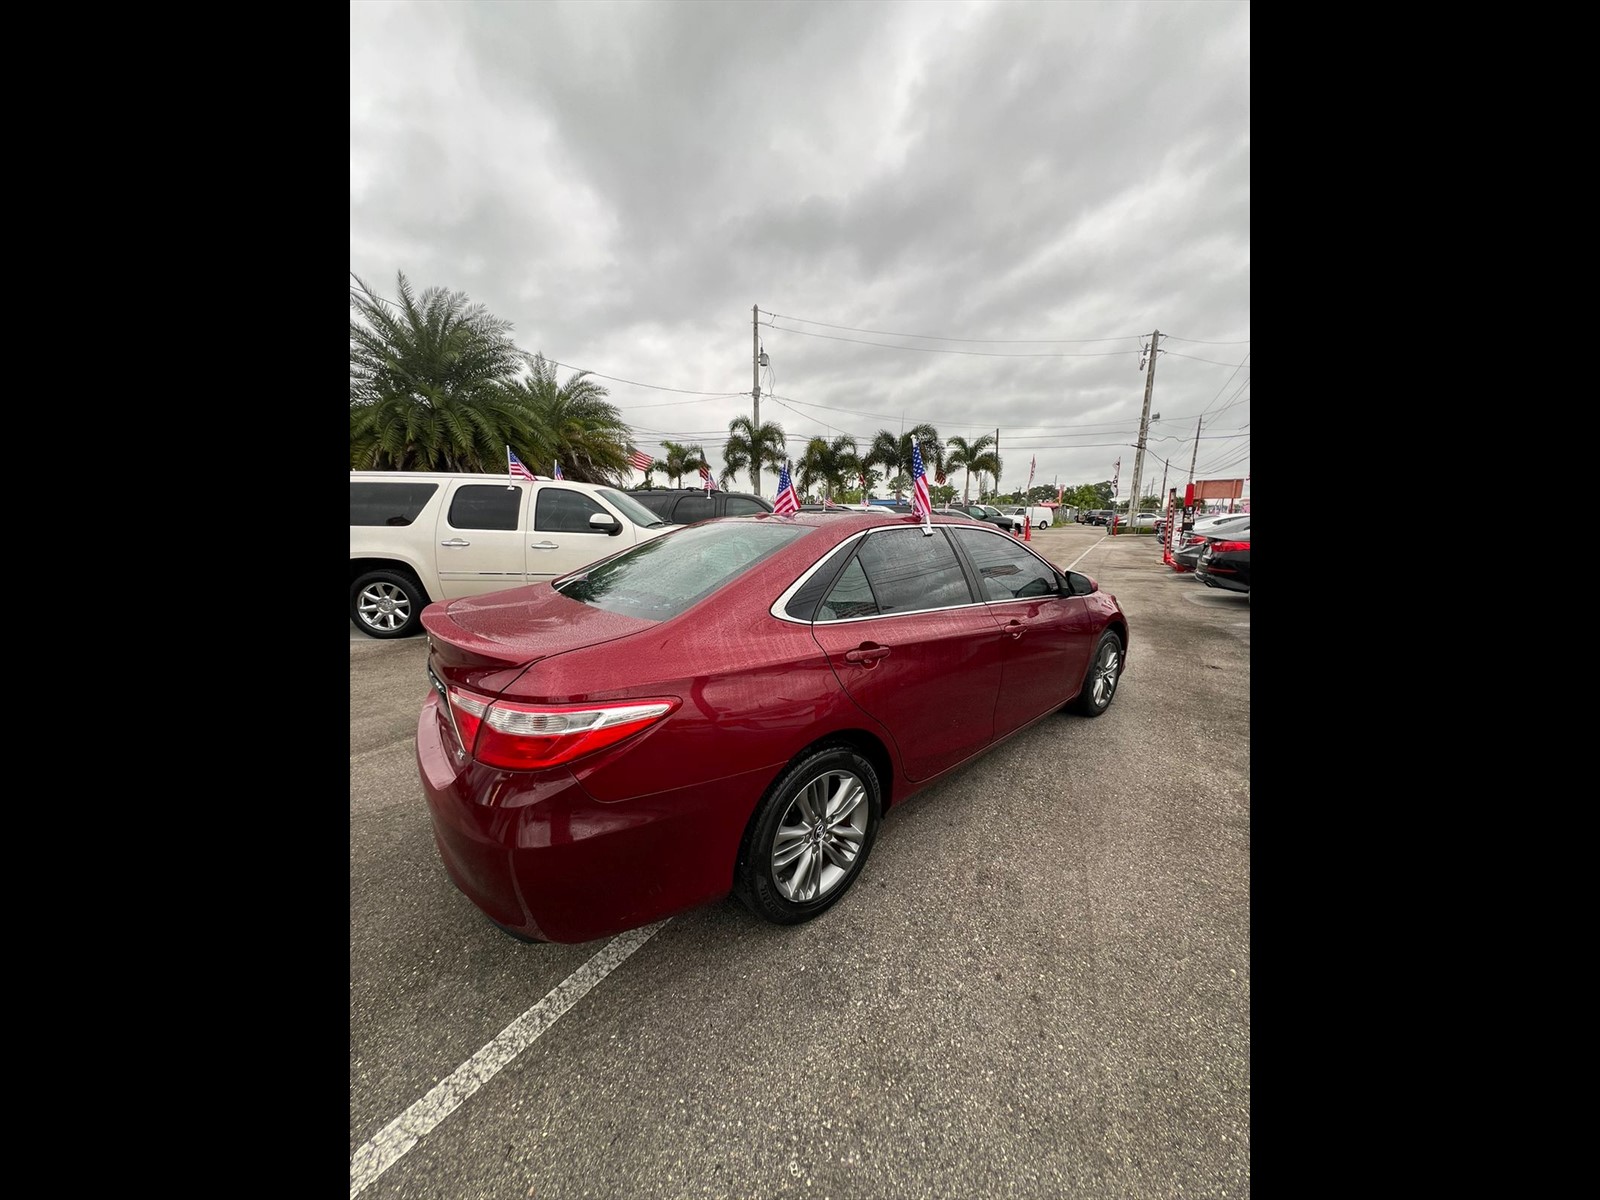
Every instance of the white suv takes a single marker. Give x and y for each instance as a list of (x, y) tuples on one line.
[(418, 536)]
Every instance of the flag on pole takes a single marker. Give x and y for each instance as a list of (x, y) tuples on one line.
[(559, 475), (639, 460), (1032, 463), (518, 471), (921, 506), (1115, 471), (787, 501), (705, 480)]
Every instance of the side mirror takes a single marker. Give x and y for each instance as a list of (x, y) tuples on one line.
[(605, 523)]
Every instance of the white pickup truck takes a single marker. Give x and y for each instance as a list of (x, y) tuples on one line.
[(417, 537)]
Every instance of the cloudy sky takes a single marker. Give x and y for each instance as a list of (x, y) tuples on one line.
[(969, 215)]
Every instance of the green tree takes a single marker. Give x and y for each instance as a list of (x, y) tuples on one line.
[(427, 383), (894, 454), (751, 448), (574, 424), (681, 460), (976, 455), (831, 464)]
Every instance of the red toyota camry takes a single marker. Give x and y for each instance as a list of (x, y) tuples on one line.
[(732, 707)]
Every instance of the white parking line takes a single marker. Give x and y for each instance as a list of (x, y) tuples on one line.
[(396, 1139)]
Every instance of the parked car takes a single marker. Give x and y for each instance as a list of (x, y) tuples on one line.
[(1037, 514), (733, 707), (986, 513), (685, 506), (1201, 525), (1145, 520), (417, 537), (1225, 561), (1187, 556), (1099, 516)]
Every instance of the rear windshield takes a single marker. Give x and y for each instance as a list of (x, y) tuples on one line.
[(670, 574)]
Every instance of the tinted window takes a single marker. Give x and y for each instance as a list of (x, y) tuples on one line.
[(664, 577), (1007, 571), (561, 510), (850, 597), (639, 514), (904, 570), (485, 506), (388, 503), (743, 506), (691, 509)]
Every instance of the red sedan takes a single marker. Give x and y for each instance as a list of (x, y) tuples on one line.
[(732, 707)]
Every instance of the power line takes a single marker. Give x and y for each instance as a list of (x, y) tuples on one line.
[(978, 353), (930, 337)]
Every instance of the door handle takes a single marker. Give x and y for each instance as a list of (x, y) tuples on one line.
[(454, 543), (866, 655), (1014, 629), (545, 545)]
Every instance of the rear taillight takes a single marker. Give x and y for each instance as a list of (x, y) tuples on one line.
[(524, 737), (1229, 547)]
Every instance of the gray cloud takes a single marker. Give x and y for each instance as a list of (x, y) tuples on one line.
[(623, 182)]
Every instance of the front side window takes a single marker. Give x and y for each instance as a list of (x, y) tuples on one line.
[(485, 506), (562, 510), (1008, 571)]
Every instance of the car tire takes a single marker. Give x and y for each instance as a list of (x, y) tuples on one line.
[(1100, 684), (809, 836), (387, 604)]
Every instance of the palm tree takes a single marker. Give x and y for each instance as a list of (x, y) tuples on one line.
[(895, 452), (427, 379), (575, 425), (682, 459), (973, 456), (751, 447), (829, 463)]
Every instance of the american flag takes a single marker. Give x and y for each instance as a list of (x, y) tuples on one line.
[(559, 475), (705, 479), (787, 501), (640, 460), (518, 471), (1115, 471), (921, 506)]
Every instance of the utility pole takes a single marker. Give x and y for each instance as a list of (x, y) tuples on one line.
[(1144, 420), (755, 394), (996, 495), (1193, 458)]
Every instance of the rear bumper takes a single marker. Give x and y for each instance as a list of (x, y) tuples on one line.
[(542, 858)]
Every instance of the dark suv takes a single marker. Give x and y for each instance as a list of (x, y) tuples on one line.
[(1098, 516), (685, 506)]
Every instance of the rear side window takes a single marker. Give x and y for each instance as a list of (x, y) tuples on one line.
[(485, 506), (743, 506), (898, 571), (388, 503), (561, 510)]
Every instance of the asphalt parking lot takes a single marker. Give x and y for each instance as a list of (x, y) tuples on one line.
[(1039, 987)]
